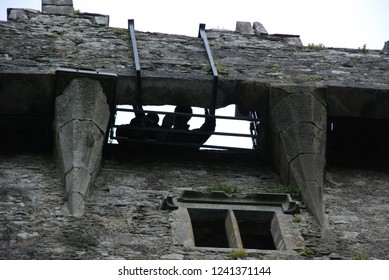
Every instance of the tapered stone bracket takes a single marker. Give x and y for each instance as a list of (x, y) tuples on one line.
[(81, 117), (298, 119)]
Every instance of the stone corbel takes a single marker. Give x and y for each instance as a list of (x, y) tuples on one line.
[(298, 121), (81, 118)]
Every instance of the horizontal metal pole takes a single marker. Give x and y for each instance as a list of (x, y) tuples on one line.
[(181, 144), (182, 131), (193, 115)]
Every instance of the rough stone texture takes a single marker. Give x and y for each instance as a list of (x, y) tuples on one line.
[(123, 221), (58, 2), (386, 47), (279, 61), (81, 120), (298, 120), (20, 14), (244, 27), (174, 72), (61, 7), (60, 10), (259, 29)]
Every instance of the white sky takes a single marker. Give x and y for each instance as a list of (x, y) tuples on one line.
[(334, 23)]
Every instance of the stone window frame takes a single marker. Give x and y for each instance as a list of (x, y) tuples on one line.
[(284, 232)]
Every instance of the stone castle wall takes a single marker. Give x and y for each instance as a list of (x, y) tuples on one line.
[(45, 209), (123, 219)]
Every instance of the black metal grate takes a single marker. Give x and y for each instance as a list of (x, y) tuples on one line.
[(140, 132)]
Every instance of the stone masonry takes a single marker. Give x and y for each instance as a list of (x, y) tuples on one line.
[(298, 92), (58, 7)]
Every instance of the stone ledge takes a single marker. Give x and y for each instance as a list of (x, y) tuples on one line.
[(16, 14)]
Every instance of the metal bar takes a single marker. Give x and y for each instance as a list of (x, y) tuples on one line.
[(181, 131), (193, 115), (153, 142), (254, 128), (203, 35), (138, 97)]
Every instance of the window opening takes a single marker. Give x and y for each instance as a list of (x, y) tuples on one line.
[(255, 229), (222, 228), (218, 220), (209, 227)]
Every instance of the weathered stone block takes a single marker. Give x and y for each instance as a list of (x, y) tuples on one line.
[(75, 204), (58, 2), (299, 107), (300, 139), (79, 144), (16, 14), (303, 138), (386, 47), (90, 104), (78, 177), (308, 167), (294, 41), (244, 27), (101, 20), (20, 14), (61, 10), (259, 29)]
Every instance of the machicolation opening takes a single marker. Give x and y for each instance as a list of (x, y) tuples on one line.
[(357, 141), (160, 126)]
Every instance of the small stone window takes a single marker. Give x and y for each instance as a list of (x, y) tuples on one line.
[(215, 220), (234, 229)]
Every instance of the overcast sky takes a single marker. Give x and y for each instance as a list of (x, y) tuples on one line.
[(334, 23)]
